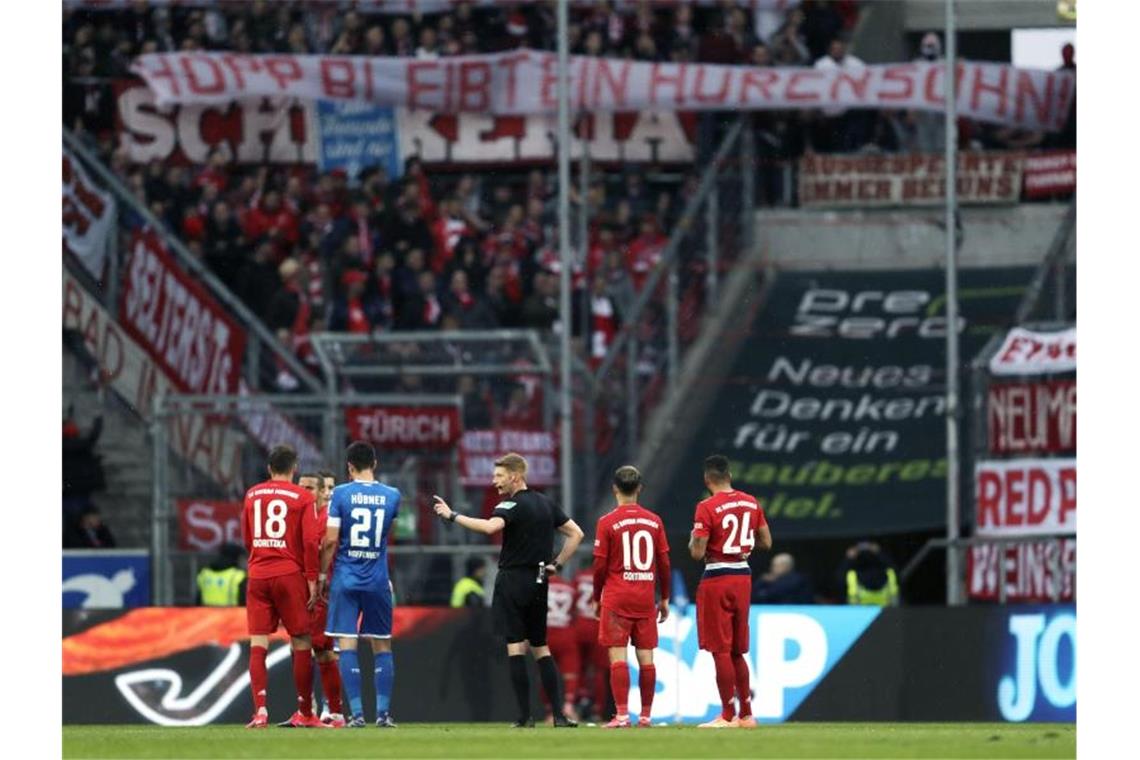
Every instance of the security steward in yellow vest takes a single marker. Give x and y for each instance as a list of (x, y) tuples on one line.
[(869, 578), (223, 582), (468, 590)]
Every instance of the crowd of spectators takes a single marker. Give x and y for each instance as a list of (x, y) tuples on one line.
[(309, 251)]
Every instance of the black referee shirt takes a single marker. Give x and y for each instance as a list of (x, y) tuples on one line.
[(528, 537)]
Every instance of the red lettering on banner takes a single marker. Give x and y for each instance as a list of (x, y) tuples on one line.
[(239, 63), (720, 95), (1068, 478), (617, 85), (677, 82), (1014, 497), (904, 75), (989, 499), (417, 86), (1026, 90), (448, 88), (547, 96), (760, 79), (165, 71), (933, 84), (802, 97), (510, 63), (337, 78), (284, 69), (1061, 112), (477, 86), (218, 85), (72, 303), (980, 86), (1039, 492), (858, 86)]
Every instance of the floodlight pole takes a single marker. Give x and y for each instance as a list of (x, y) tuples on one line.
[(953, 475), (565, 316)]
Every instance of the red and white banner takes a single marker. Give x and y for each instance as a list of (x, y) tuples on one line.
[(173, 316), (479, 449), (277, 130), (88, 216), (1033, 572), (473, 138), (907, 180), (1025, 352), (1033, 418), (204, 525), (523, 82), (261, 130), (405, 427), (1050, 173), (1026, 497), (204, 441)]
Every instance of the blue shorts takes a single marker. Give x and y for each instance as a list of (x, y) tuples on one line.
[(372, 608)]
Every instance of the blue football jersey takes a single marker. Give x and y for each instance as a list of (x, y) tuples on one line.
[(364, 511)]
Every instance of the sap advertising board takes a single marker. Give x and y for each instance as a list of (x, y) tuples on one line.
[(808, 663)]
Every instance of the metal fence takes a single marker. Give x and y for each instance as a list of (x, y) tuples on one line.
[(662, 318)]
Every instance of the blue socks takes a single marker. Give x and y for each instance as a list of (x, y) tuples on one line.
[(385, 675), (350, 676)]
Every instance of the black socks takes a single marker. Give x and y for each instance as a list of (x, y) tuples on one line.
[(521, 682), (551, 682)]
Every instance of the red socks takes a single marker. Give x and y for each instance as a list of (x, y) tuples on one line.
[(743, 689), (303, 680), (619, 684), (330, 685), (647, 680), (725, 683), (258, 676)]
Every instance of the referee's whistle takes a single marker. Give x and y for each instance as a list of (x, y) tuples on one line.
[(541, 573)]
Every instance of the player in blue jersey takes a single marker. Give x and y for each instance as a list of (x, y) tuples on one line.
[(360, 518)]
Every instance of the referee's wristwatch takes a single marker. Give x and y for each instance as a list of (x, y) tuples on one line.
[(453, 516), (557, 565)]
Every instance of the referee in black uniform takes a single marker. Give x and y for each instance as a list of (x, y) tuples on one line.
[(528, 520)]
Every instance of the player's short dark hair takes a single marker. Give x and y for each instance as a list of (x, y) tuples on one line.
[(361, 456), (325, 475), (627, 480), (282, 459), (716, 468)]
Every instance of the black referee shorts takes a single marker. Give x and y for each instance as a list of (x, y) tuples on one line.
[(519, 606)]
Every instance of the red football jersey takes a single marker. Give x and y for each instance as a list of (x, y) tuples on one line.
[(631, 554), (280, 529), (559, 603), (584, 595), (730, 519)]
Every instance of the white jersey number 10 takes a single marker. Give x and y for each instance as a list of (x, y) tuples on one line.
[(637, 550)]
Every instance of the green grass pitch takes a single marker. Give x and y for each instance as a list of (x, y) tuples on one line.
[(459, 740)]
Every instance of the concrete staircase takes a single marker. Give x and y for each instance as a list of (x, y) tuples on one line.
[(124, 446)]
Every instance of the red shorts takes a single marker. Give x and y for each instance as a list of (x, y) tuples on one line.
[(723, 606), (564, 649), (618, 630), (317, 617), (282, 599), (586, 629)]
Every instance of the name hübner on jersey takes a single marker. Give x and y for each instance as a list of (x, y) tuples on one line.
[(629, 575), (362, 554), (268, 543), (366, 498)]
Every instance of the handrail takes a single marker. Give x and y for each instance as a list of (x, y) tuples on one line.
[(217, 288), (672, 248), (1056, 249)]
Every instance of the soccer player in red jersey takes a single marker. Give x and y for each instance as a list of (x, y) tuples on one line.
[(631, 555), (561, 639), (280, 531), (592, 656), (321, 484), (726, 528)]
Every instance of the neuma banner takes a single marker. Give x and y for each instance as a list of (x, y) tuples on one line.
[(1033, 417), (522, 82)]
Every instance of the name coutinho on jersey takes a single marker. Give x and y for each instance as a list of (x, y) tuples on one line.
[(630, 575)]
